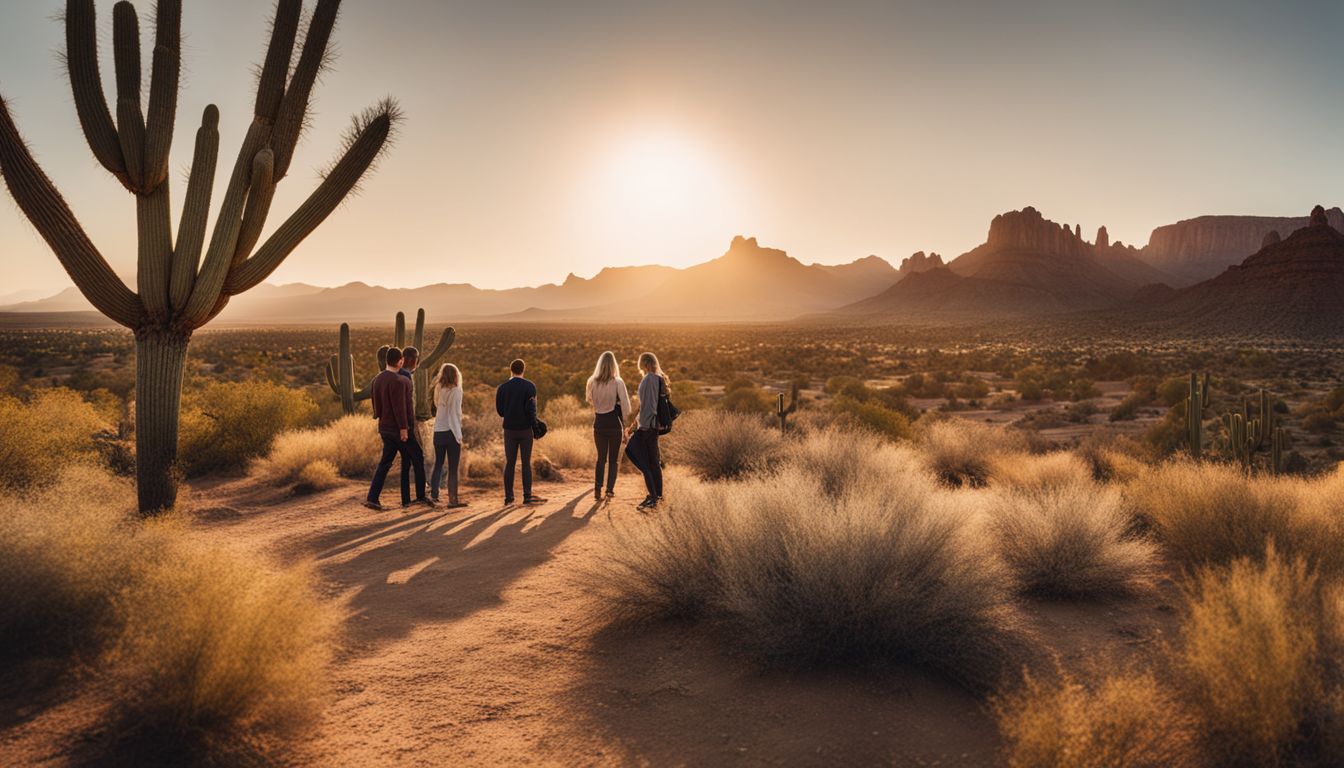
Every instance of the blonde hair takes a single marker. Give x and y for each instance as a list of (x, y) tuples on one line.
[(606, 369), (648, 362), (449, 377)]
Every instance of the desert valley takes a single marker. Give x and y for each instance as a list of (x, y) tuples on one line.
[(1045, 499)]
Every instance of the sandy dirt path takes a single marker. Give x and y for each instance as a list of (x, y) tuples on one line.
[(467, 643)]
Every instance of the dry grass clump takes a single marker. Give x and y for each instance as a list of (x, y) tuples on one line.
[(719, 445), (350, 444), (65, 553), (201, 641), (962, 453), (568, 447), (839, 460), (216, 642), (320, 475), (1214, 514), (1040, 472), (567, 412), (1255, 680), (1250, 661), (1128, 720), (1071, 541), (39, 438), (796, 574)]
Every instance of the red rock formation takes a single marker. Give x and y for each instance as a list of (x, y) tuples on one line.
[(1292, 288), (919, 262), (1197, 249)]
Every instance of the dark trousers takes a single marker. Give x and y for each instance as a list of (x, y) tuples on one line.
[(392, 447), (445, 446), (643, 451), (607, 429), (416, 463), (517, 441)]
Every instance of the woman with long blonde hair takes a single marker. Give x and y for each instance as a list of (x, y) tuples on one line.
[(644, 440), (610, 399), (447, 431)]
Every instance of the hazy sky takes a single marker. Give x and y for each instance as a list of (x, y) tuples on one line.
[(551, 137)]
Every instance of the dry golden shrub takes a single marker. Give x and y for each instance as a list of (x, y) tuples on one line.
[(350, 444), (39, 438), (1071, 540), (889, 567), (1126, 720)]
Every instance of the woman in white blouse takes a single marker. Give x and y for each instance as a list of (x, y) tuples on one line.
[(611, 401), (447, 431)]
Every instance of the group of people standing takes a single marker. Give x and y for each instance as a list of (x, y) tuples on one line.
[(393, 398)]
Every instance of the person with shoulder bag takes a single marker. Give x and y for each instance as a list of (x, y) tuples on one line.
[(610, 399)]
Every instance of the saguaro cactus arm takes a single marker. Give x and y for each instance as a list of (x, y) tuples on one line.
[(46, 209), (368, 139), (86, 83)]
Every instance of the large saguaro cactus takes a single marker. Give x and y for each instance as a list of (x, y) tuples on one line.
[(341, 374), (178, 290), (427, 361)]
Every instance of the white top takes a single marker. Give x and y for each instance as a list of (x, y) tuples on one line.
[(448, 416), (605, 395)]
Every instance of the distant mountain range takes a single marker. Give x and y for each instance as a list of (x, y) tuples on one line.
[(1027, 267), (747, 283)]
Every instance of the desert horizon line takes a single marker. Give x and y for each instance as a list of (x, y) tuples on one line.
[(893, 263)]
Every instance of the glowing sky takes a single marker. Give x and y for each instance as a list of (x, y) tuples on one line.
[(551, 137)]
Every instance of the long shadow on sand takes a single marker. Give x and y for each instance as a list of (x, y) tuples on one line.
[(439, 567)]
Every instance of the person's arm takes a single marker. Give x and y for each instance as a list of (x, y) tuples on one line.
[(375, 395), (623, 398), (455, 409), (532, 405), (499, 399), (406, 412)]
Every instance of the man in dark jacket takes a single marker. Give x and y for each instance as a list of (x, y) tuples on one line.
[(410, 360), (394, 408), (516, 403)]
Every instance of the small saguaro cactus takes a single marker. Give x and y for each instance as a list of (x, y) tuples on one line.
[(341, 374), (425, 366), (1261, 427), (184, 282), (784, 412), (1278, 444), (1195, 403)]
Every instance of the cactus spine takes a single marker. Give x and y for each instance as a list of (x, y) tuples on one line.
[(1195, 403), (181, 285), (341, 374), (784, 412)]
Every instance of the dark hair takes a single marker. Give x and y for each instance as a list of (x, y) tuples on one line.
[(393, 355), (517, 367), (410, 356)]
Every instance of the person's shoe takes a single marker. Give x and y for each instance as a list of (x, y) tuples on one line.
[(534, 500), (457, 504), (508, 501), (597, 494), (648, 503), (375, 506), (428, 502)]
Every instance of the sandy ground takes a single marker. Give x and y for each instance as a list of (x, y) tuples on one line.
[(467, 643)]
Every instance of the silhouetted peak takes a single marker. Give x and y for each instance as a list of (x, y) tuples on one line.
[(919, 262), (1318, 218), (746, 249), (1103, 237), (1028, 230)]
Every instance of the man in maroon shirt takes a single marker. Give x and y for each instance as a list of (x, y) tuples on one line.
[(394, 408)]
